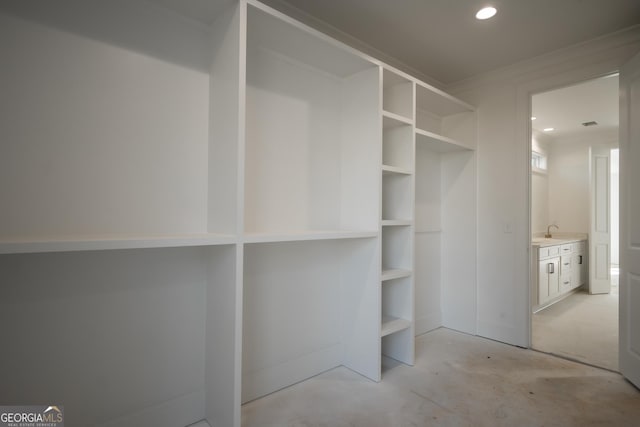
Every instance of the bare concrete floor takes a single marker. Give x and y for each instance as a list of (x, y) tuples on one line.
[(458, 380)]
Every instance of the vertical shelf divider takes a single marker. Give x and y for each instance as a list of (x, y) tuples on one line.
[(223, 340)]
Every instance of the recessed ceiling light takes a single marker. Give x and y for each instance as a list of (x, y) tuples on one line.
[(533, 118), (548, 129), (486, 13)]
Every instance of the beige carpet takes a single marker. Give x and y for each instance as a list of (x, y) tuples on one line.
[(582, 327)]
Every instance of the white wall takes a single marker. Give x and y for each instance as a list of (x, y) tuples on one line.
[(569, 179), (539, 187), (503, 101), (88, 108)]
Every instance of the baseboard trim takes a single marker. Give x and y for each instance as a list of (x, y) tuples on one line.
[(428, 323), (181, 411), (265, 381)]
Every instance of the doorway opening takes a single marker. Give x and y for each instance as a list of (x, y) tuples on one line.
[(574, 222)]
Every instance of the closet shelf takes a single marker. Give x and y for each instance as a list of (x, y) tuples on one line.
[(392, 120), (438, 102), (439, 143), (295, 236), (386, 169), (396, 222), (391, 325), (395, 273), (108, 242)]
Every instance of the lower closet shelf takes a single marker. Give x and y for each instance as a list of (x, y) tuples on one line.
[(395, 273), (391, 325)]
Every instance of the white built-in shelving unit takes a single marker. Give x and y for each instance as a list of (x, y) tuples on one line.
[(205, 204), (397, 199)]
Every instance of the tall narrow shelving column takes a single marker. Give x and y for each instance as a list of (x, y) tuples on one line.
[(445, 221), (398, 146)]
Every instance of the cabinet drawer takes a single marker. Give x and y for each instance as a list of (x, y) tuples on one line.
[(565, 283), (565, 264), (548, 251), (565, 249)]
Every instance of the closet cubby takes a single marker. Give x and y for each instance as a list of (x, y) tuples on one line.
[(125, 329), (307, 290), (442, 122), (397, 95), (108, 148), (397, 301), (397, 320), (397, 196), (397, 247), (397, 147), (311, 109)]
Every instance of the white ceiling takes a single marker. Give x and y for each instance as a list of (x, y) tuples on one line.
[(442, 39), (566, 109)]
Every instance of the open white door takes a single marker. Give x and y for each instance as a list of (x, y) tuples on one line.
[(630, 220), (600, 230)]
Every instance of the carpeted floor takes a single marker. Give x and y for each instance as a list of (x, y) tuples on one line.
[(582, 327)]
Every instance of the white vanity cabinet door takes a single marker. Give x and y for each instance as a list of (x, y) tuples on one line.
[(565, 284), (579, 272), (548, 279), (565, 265)]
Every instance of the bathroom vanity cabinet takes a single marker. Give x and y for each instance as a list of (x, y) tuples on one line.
[(561, 268)]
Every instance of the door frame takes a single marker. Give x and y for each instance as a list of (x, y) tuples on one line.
[(525, 92)]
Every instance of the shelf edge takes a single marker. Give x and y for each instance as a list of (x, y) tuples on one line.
[(112, 243), (307, 236)]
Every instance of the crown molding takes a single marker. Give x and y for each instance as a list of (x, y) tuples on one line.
[(620, 44)]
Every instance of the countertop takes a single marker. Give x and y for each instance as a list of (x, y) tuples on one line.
[(542, 242)]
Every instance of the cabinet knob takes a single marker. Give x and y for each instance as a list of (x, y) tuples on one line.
[(550, 268)]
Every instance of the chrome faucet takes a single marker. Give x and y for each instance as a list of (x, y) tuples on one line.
[(548, 235)]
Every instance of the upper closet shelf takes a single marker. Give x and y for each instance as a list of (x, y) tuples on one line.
[(96, 243), (439, 143), (392, 120), (296, 236), (438, 102)]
